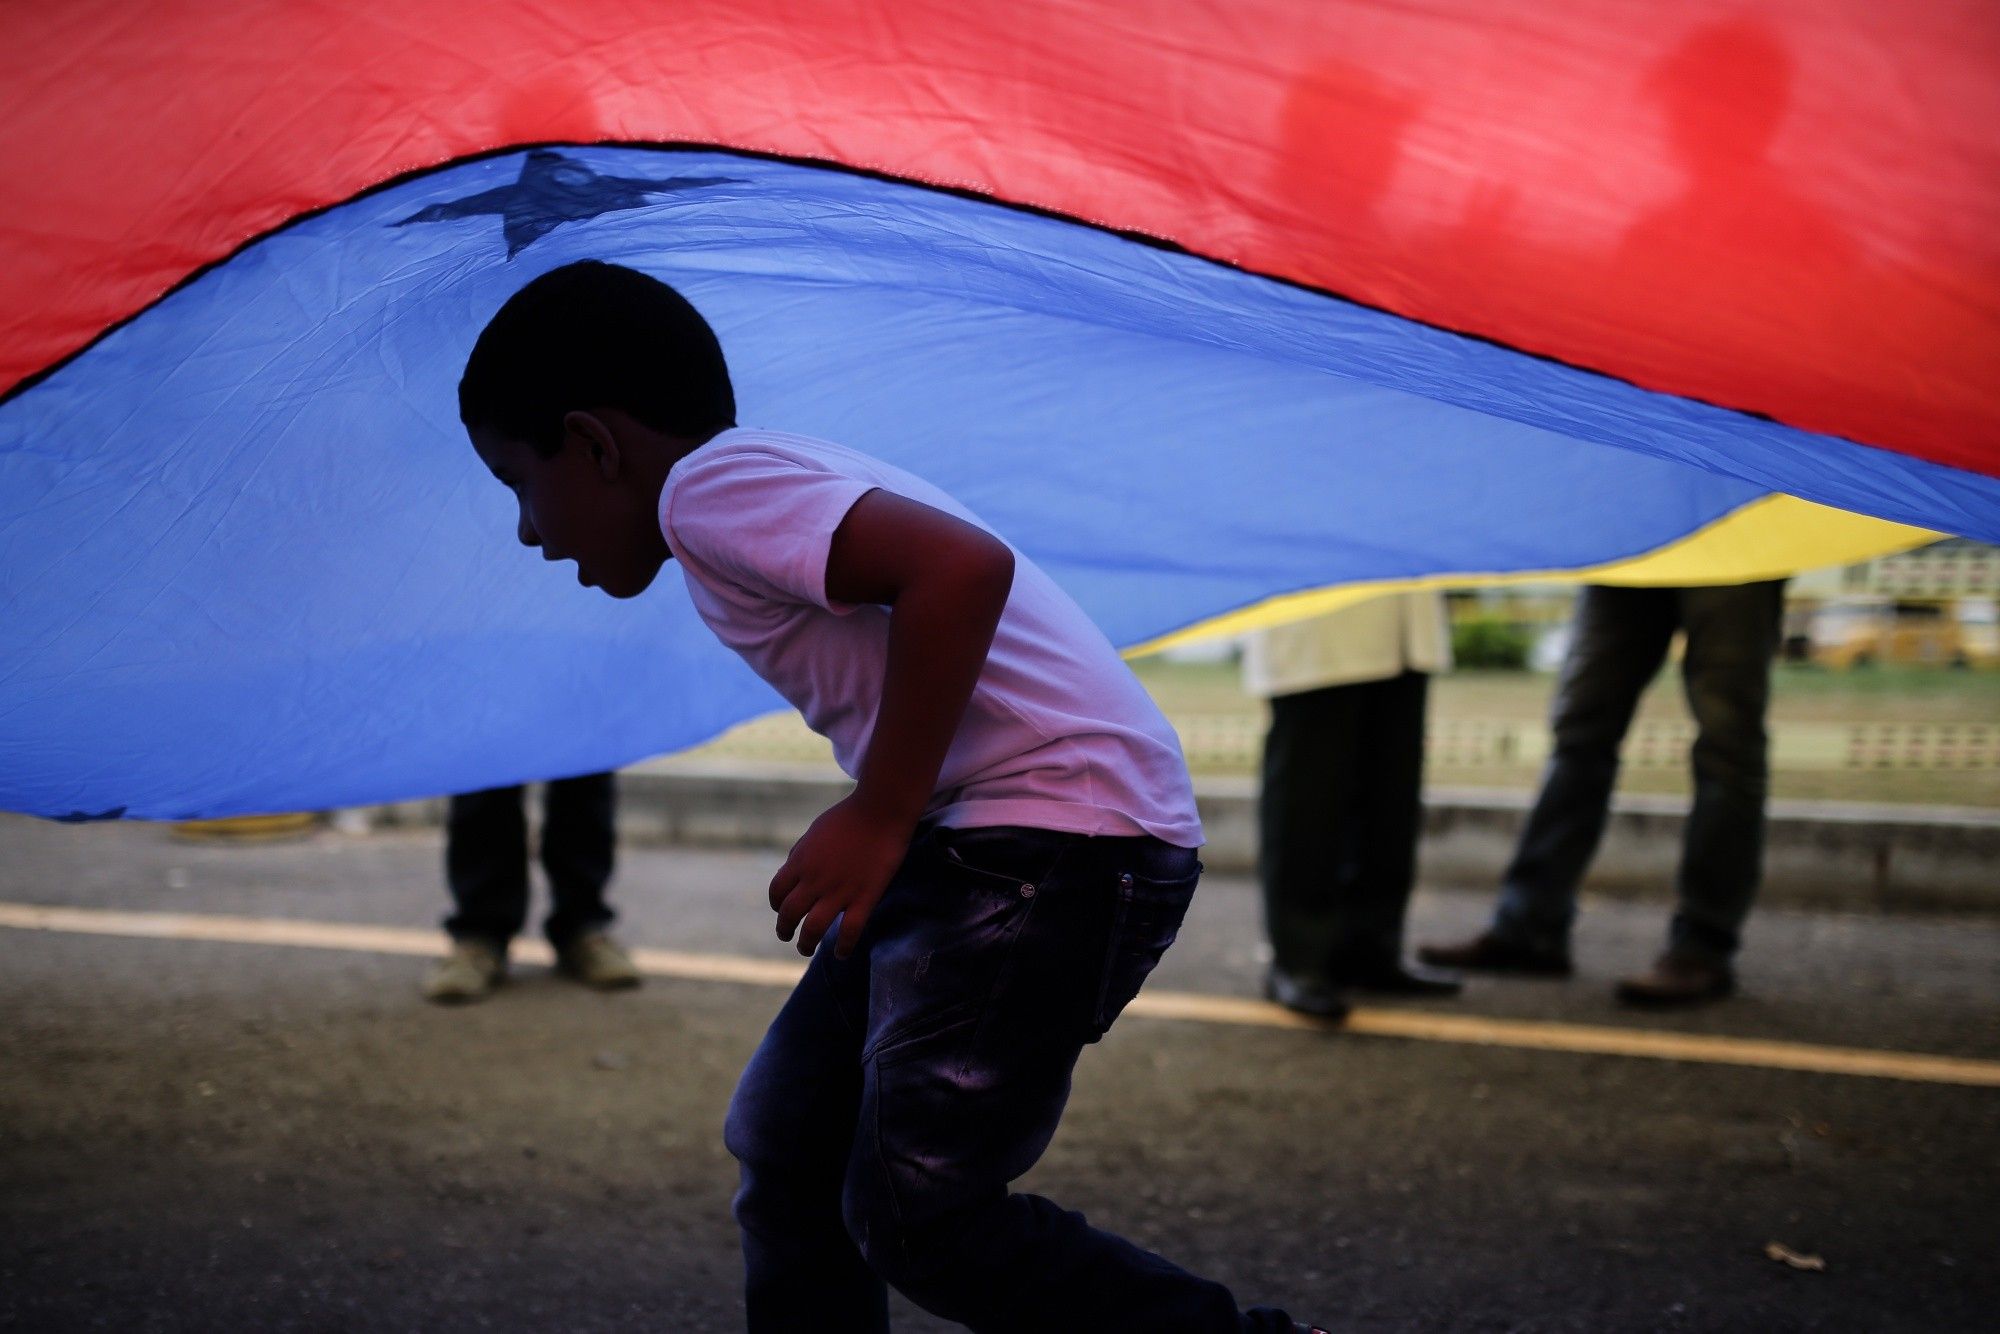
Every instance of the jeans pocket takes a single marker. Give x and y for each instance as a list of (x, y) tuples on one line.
[(1001, 857), (1145, 920), (945, 947)]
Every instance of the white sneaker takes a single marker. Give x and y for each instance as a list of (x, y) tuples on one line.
[(596, 960), (469, 973)]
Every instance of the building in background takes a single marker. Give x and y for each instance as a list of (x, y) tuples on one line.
[(1937, 606)]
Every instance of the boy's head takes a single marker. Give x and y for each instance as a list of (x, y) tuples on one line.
[(579, 394)]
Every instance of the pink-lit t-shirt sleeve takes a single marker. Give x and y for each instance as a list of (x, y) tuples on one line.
[(762, 522)]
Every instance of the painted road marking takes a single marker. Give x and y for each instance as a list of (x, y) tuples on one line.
[(1421, 1026)]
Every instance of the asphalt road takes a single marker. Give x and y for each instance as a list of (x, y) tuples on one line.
[(199, 1135)]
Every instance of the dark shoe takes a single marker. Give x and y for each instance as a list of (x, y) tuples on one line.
[(1489, 953), (1390, 978), (1302, 995), (1678, 979)]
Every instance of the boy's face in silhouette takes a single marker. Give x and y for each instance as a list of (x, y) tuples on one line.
[(580, 504)]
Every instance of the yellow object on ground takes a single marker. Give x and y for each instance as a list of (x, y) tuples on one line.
[(249, 828)]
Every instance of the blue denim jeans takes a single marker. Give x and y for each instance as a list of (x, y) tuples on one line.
[(1620, 639), (901, 1090)]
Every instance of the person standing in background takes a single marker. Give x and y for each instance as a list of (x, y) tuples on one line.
[(486, 866), (1341, 804), (1620, 640)]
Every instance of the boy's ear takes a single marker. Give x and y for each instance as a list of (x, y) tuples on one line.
[(599, 442)]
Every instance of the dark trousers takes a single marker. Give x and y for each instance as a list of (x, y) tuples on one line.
[(1338, 819), (486, 859), (1621, 638), (901, 1090)]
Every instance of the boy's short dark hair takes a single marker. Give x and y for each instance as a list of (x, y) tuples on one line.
[(592, 335)]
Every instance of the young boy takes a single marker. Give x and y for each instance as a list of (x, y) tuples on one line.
[(1018, 850)]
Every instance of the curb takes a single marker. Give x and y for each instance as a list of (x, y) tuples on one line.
[(1849, 857)]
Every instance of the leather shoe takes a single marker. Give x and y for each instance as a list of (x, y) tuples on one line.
[(1390, 978), (1489, 953), (1678, 979), (1305, 995)]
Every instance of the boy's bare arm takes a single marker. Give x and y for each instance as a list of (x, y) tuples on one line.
[(947, 583)]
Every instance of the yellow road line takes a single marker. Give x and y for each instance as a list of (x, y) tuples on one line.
[(1421, 1026), (220, 927), (1591, 1039)]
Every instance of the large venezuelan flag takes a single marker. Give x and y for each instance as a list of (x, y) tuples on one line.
[(1210, 305)]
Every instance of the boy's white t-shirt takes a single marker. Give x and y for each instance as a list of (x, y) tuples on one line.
[(1058, 734)]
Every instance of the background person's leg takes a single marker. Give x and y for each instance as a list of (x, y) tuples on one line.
[(1383, 804), (1307, 852), (1619, 639), (486, 865), (1732, 637), (579, 849)]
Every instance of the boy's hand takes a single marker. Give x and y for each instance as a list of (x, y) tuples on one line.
[(945, 582), (839, 868)]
